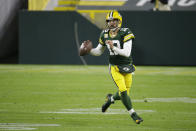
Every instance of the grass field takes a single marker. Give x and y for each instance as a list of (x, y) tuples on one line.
[(69, 98)]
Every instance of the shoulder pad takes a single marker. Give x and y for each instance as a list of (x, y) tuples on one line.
[(124, 29), (105, 31)]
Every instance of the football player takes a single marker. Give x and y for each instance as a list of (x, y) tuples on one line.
[(119, 43)]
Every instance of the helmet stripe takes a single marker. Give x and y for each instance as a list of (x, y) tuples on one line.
[(111, 14)]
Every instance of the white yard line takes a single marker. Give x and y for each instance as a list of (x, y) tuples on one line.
[(95, 111), (16, 128), (175, 99), (23, 126)]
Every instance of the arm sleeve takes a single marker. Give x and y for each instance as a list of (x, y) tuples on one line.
[(126, 51), (98, 50)]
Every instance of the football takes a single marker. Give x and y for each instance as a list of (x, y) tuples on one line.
[(85, 48)]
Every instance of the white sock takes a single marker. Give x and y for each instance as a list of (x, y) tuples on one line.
[(131, 111), (112, 99)]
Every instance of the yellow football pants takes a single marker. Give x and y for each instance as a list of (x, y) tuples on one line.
[(122, 80)]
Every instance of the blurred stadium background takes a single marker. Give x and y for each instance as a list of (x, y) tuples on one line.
[(162, 38), (44, 85)]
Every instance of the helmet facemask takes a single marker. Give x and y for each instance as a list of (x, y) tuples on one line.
[(112, 24)]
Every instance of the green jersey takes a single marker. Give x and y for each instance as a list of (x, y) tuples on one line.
[(123, 35)]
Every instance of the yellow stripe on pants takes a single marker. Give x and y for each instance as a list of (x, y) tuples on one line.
[(122, 80)]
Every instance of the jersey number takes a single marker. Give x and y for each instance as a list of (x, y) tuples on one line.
[(115, 43)]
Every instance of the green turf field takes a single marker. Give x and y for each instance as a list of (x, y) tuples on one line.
[(69, 98)]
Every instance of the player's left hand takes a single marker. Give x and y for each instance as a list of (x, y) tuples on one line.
[(110, 43)]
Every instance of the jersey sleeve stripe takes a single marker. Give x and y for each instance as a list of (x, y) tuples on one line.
[(100, 41), (129, 36)]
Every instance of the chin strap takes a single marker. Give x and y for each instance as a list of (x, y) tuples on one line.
[(114, 29)]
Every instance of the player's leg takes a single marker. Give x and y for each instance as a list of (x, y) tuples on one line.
[(119, 80), (116, 96), (128, 83), (120, 83)]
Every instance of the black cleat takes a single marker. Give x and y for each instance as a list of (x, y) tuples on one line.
[(136, 118), (107, 103)]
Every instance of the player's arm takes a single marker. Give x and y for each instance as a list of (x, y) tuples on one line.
[(98, 50), (126, 51), (127, 46)]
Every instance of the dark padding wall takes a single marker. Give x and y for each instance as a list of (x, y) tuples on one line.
[(162, 38), (51, 38)]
